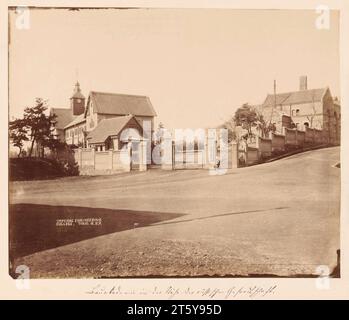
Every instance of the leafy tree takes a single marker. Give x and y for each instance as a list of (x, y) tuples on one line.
[(39, 125), (35, 127), (249, 117), (18, 134), (246, 117)]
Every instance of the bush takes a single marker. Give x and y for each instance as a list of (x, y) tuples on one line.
[(40, 168)]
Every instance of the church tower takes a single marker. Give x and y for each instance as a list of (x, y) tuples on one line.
[(77, 101)]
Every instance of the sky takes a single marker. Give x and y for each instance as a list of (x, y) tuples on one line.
[(196, 65)]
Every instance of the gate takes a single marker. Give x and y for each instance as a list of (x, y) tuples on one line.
[(193, 159)]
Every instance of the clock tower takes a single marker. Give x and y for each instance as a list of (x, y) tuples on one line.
[(77, 101)]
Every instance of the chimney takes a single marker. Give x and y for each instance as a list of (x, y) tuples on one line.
[(303, 83)]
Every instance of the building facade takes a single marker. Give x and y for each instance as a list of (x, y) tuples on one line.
[(87, 122), (313, 108)]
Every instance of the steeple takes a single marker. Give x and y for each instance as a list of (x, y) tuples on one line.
[(77, 101)]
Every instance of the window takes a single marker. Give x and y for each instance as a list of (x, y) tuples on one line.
[(295, 112)]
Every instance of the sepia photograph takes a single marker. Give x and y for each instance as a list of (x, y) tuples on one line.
[(174, 143)]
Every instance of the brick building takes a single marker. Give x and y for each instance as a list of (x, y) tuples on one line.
[(314, 108)]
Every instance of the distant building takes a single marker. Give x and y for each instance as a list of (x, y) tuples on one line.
[(99, 122), (314, 108)]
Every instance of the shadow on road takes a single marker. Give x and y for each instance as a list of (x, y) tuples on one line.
[(34, 227), (222, 215)]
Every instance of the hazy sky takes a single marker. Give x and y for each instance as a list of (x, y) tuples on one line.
[(196, 65)]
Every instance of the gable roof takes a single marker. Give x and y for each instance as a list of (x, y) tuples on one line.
[(77, 119), (64, 116), (122, 104), (295, 97), (108, 127)]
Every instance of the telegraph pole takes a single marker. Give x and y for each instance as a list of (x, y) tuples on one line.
[(274, 104)]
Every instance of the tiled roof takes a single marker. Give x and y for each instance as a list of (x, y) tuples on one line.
[(108, 127), (78, 119), (295, 97), (64, 116), (122, 104)]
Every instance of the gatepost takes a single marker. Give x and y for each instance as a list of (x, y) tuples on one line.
[(167, 154), (142, 155), (234, 155)]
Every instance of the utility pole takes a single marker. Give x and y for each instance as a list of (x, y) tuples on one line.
[(274, 104)]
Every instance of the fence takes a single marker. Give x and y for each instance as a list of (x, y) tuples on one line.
[(264, 147), (244, 153), (93, 162), (233, 155), (291, 139)]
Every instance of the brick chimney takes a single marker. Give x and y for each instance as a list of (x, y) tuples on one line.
[(303, 83)]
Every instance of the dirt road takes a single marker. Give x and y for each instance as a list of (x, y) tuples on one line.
[(279, 218)]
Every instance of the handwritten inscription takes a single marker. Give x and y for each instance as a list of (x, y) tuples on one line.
[(173, 292)]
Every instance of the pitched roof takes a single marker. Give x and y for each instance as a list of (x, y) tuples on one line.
[(64, 116), (295, 97), (122, 104), (77, 119), (108, 127)]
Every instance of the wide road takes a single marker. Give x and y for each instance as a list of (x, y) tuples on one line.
[(279, 218)]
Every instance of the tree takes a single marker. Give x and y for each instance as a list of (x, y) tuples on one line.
[(35, 127), (311, 117), (159, 134), (246, 117), (264, 127), (39, 125), (18, 134), (230, 125)]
